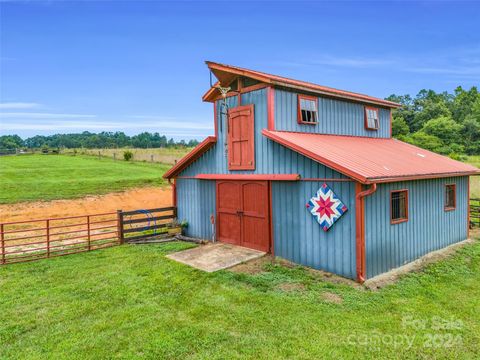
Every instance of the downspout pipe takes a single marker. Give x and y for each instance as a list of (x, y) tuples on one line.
[(360, 229)]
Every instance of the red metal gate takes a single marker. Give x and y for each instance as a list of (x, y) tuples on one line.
[(37, 239), (242, 214), (44, 238)]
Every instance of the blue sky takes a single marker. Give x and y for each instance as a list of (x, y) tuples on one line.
[(137, 66)]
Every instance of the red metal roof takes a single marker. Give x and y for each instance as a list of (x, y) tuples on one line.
[(371, 160), (226, 73), (193, 155)]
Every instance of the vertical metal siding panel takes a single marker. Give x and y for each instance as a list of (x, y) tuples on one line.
[(335, 117), (429, 228), (196, 201), (299, 238), (259, 99)]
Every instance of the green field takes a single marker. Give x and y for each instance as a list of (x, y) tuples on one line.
[(161, 155), (474, 180), (131, 302), (49, 177)]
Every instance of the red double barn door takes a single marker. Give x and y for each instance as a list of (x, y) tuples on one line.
[(243, 214)]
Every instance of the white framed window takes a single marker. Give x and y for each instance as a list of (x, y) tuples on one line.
[(372, 118), (307, 112)]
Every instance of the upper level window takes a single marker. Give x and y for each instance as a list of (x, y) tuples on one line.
[(307, 110), (450, 197), (398, 206), (372, 119)]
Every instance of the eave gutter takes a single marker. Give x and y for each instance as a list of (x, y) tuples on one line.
[(378, 180), (360, 229)]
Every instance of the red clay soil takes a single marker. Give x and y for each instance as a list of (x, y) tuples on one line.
[(141, 198)]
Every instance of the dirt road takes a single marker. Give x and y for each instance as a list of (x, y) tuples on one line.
[(141, 198)]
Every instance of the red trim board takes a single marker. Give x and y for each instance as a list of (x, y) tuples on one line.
[(257, 177)]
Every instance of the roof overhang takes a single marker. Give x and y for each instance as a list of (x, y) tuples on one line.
[(372, 160), (227, 73)]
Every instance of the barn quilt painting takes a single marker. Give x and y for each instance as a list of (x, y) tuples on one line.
[(326, 207)]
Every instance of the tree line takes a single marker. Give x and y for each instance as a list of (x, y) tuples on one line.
[(445, 123), (88, 140)]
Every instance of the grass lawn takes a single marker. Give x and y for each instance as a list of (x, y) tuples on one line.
[(49, 177), (132, 302)]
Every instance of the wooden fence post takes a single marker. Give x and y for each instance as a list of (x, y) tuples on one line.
[(88, 233), (2, 238), (120, 226), (48, 238)]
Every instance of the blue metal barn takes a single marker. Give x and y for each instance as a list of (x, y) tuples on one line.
[(312, 174)]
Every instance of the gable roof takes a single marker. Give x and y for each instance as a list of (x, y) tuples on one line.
[(371, 160), (227, 73), (193, 155)]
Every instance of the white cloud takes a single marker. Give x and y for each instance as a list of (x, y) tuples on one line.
[(329, 60), (459, 61), (43, 115), (104, 126), (19, 105), (152, 117), (467, 71)]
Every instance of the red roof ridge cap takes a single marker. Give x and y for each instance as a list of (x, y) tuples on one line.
[(273, 78)]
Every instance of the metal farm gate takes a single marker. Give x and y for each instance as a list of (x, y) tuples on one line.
[(30, 240)]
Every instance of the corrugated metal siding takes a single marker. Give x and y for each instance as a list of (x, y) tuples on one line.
[(215, 160), (298, 236), (196, 202), (285, 161), (429, 227), (334, 117)]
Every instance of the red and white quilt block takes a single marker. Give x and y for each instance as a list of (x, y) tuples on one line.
[(326, 207)]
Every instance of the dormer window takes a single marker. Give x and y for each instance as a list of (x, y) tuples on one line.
[(307, 110), (372, 118)]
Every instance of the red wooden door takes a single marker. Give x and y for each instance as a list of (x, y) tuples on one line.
[(242, 214), (255, 221), (241, 141), (229, 202)]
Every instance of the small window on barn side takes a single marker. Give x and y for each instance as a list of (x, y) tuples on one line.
[(399, 206), (450, 197), (307, 112), (372, 118)]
